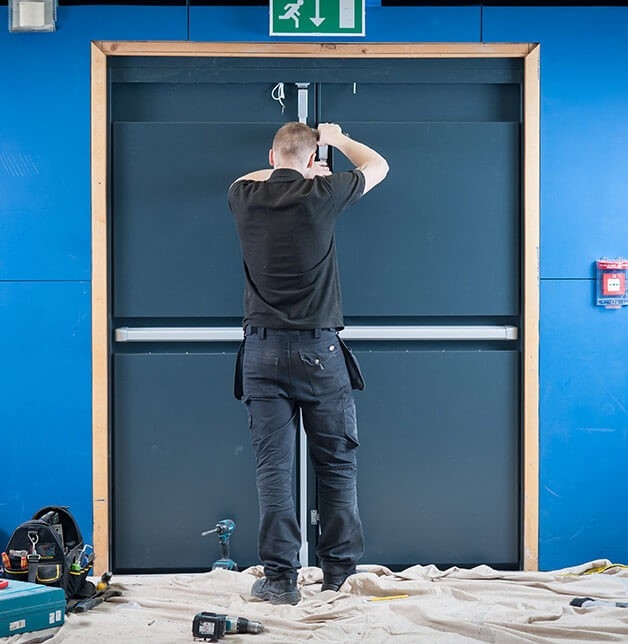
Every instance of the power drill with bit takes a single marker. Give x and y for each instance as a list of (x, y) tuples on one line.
[(213, 627), (224, 529)]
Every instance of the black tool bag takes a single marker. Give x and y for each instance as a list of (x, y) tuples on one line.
[(49, 550)]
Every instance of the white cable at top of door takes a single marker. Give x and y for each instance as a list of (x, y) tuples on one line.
[(278, 94)]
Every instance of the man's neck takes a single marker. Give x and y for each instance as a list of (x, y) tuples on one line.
[(289, 167)]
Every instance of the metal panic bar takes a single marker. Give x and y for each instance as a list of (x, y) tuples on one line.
[(234, 334)]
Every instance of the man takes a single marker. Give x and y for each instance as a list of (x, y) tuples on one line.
[(291, 359)]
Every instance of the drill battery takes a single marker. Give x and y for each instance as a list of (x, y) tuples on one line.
[(209, 626), (213, 627)]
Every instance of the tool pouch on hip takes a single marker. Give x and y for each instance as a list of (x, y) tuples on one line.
[(238, 390), (353, 367)]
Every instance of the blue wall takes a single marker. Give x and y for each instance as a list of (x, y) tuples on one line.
[(45, 373)]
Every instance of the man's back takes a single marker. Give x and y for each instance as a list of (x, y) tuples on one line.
[(286, 230)]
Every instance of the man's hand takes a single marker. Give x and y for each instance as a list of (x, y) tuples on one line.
[(328, 133), (372, 164), (318, 169)]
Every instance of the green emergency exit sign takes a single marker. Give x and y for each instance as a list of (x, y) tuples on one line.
[(317, 17)]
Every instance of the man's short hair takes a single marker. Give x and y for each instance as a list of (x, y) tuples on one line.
[(295, 141)]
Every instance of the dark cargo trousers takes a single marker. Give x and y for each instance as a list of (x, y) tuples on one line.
[(285, 371)]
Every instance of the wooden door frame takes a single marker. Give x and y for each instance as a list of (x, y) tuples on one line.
[(101, 50)]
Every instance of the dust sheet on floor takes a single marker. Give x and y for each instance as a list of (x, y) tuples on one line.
[(480, 604)]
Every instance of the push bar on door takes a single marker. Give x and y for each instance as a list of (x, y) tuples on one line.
[(234, 334)]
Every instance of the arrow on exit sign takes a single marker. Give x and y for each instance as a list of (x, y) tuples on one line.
[(317, 17), (317, 20)]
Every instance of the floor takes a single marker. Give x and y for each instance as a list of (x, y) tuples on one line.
[(419, 604)]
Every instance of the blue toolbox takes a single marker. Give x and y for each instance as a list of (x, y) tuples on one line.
[(28, 607)]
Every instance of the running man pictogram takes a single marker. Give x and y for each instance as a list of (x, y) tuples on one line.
[(292, 12)]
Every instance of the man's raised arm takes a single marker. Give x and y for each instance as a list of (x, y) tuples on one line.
[(371, 163)]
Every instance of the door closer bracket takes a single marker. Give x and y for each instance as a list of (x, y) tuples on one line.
[(302, 99), (302, 113)]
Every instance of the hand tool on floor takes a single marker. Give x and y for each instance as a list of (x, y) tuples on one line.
[(224, 529), (103, 593), (212, 627), (589, 601), (104, 582), (87, 604)]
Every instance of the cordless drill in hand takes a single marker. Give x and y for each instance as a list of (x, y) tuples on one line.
[(224, 529)]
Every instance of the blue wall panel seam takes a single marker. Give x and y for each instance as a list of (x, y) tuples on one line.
[(482, 23)]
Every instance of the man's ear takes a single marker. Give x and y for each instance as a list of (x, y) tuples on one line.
[(310, 161), (271, 157)]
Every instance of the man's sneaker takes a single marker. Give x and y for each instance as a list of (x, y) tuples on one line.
[(276, 591), (334, 582)]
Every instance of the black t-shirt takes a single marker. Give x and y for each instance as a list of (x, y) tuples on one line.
[(286, 230)]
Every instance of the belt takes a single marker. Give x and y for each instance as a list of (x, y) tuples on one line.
[(263, 332)]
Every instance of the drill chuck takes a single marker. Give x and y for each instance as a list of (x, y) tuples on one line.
[(224, 528), (242, 625)]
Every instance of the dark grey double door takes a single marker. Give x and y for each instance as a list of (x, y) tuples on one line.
[(430, 263)]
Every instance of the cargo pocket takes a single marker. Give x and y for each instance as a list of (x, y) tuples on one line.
[(351, 422)]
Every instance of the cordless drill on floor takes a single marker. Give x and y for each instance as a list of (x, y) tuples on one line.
[(224, 529), (213, 627)]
